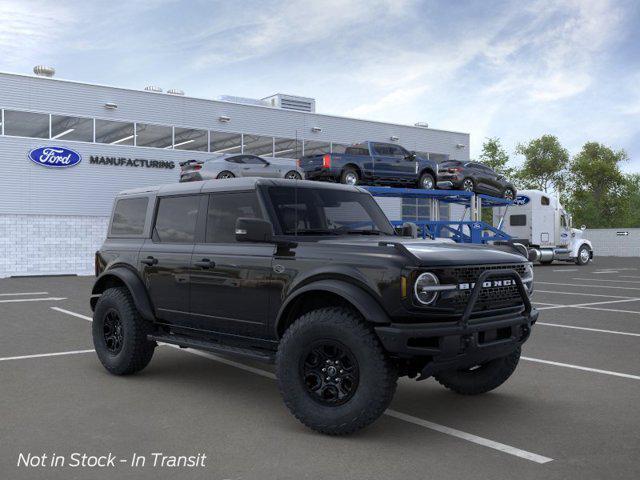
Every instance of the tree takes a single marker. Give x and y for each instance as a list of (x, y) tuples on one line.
[(600, 194), (495, 156), (545, 165)]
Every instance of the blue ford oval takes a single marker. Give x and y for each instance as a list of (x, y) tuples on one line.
[(55, 157), (521, 200)]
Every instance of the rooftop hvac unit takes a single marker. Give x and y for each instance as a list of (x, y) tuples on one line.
[(175, 91), (153, 88), (44, 71), (291, 102)]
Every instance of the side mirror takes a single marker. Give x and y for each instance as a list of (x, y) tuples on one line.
[(254, 230), (266, 164), (408, 229), (583, 227), (411, 156)]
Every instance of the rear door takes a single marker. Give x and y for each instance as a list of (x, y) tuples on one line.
[(165, 259), (230, 281)]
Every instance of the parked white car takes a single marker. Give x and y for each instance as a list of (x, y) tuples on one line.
[(240, 165)]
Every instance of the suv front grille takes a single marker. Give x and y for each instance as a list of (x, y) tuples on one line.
[(490, 297)]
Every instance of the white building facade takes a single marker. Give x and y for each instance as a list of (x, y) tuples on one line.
[(52, 220)]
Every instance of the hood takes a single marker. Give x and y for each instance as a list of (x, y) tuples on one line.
[(436, 252)]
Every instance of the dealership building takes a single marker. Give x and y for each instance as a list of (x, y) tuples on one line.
[(52, 220)]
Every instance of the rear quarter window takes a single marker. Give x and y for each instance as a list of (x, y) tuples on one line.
[(129, 216)]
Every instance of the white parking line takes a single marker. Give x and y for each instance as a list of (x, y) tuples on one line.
[(73, 314), (41, 355), (603, 280), (580, 305), (584, 294), (534, 457), (469, 437), (629, 276), (567, 270), (610, 310), (590, 286), (47, 299), (588, 329), (579, 367), (23, 293)]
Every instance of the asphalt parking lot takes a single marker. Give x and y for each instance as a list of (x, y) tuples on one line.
[(571, 410)]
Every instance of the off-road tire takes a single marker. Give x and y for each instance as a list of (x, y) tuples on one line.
[(377, 374), (483, 379), (349, 171), (225, 174), (579, 260), (136, 350), (425, 176)]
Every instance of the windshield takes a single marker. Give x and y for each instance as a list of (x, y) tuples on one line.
[(323, 211)]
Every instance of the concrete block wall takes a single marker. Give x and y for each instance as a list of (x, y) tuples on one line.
[(615, 242), (49, 244)]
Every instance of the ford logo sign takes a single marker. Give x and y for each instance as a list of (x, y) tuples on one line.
[(55, 157), (521, 200)]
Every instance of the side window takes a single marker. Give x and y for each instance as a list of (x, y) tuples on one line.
[(176, 219), (253, 160), (544, 201), (518, 220), (235, 159), (397, 151), (129, 216), (224, 210), (381, 149)]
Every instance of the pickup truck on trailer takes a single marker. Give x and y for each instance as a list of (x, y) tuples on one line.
[(312, 277), (372, 163)]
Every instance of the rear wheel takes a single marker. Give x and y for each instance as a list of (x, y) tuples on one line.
[(480, 378), (509, 194), (332, 372), (468, 185), (225, 174), (584, 255), (120, 333), (349, 176), (427, 182), (293, 175)]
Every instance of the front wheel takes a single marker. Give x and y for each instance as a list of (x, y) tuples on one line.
[(427, 182), (332, 372), (120, 333), (584, 255), (480, 378)]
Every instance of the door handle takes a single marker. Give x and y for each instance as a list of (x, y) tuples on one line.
[(149, 261), (205, 263)]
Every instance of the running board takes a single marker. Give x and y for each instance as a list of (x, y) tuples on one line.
[(215, 347)]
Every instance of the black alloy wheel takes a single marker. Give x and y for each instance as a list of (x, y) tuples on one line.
[(293, 175), (329, 372), (113, 332), (224, 175)]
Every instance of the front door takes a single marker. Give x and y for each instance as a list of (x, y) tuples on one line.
[(165, 259), (230, 281), (253, 166), (392, 163)]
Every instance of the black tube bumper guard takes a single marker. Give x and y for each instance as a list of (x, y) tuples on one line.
[(462, 344)]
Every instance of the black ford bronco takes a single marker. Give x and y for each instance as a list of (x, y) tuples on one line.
[(311, 277)]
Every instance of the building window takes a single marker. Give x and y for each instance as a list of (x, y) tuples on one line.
[(257, 145), (316, 148), (71, 128), (26, 124), (157, 136), (416, 209), (114, 133), (190, 139), (223, 142), (287, 148)]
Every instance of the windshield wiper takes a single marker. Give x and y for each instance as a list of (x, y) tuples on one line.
[(312, 231)]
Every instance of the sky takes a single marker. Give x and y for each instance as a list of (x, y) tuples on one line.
[(509, 69)]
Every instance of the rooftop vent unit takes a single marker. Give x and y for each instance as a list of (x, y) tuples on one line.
[(44, 71), (422, 124), (243, 100), (175, 91), (153, 88), (291, 102)]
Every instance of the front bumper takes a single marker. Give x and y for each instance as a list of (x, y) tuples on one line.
[(464, 343)]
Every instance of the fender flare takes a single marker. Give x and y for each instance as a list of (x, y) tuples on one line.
[(368, 306), (135, 285), (578, 244)]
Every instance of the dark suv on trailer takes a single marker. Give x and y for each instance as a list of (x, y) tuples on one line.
[(314, 278)]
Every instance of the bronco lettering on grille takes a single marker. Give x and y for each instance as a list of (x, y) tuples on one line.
[(487, 284)]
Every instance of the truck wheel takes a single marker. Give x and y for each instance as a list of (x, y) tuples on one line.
[(584, 255), (349, 176), (120, 333), (481, 378), (332, 372), (427, 182)]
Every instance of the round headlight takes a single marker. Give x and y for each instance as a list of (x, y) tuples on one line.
[(422, 291)]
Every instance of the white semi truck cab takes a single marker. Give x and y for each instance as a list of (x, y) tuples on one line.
[(537, 220)]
